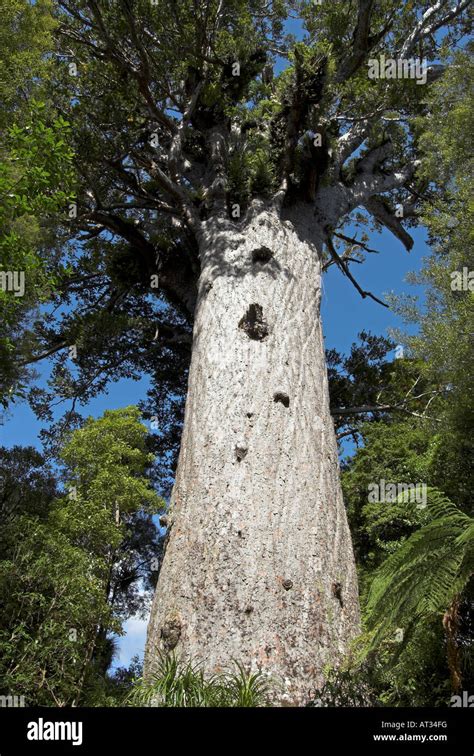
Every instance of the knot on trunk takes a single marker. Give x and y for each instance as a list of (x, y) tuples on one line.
[(241, 450), (253, 323), (261, 255), (337, 592), (171, 632)]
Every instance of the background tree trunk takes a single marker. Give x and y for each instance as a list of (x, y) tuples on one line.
[(259, 565)]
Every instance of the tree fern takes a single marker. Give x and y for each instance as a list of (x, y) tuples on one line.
[(426, 574)]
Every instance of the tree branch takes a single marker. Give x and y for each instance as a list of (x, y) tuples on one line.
[(352, 140), (368, 184), (383, 215), (400, 406), (343, 266), (350, 432), (374, 157), (355, 242), (171, 188), (429, 23), (360, 42)]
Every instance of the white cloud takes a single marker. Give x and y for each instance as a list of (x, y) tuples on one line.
[(132, 643)]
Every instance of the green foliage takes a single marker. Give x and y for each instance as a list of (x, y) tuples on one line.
[(36, 177), (27, 486), (53, 598), (443, 343), (405, 581), (72, 572), (444, 131), (346, 686), (25, 36), (416, 675), (106, 460), (176, 683), (110, 689), (394, 452), (415, 564), (250, 171), (426, 572)]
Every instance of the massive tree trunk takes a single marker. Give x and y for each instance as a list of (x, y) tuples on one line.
[(259, 565)]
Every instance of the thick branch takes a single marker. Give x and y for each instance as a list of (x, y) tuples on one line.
[(170, 188), (430, 22), (45, 354), (176, 149), (129, 232), (383, 215), (368, 184), (177, 278), (363, 41), (352, 140), (360, 44), (307, 91), (349, 432), (373, 158)]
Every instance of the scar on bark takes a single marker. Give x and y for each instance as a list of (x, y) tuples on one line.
[(171, 632), (282, 398), (253, 323), (337, 592), (240, 452), (261, 255)]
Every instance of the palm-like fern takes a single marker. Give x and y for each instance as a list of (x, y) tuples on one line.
[(426, 575)]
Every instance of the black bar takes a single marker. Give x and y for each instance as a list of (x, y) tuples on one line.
[(171, 731)]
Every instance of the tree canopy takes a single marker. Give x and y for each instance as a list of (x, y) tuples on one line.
[(163, 141)]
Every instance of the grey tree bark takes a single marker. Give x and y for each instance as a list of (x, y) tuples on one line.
[(259, 565)]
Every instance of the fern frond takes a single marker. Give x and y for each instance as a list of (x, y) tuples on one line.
[(425, 574)]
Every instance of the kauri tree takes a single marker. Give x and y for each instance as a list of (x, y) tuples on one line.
[(219, 163)]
